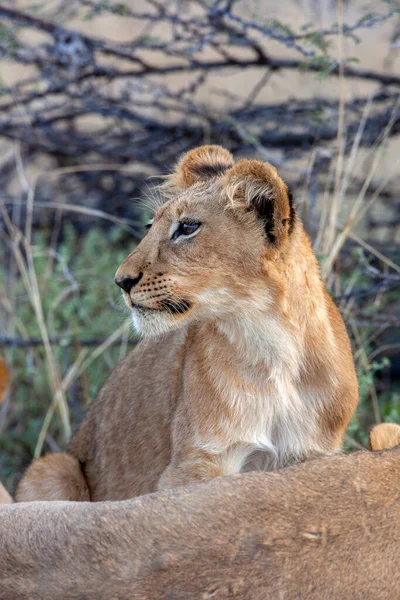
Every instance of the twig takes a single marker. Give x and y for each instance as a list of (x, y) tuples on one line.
[(58, 341)]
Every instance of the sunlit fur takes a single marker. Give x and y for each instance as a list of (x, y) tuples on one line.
[(247, 363), (383, 436)]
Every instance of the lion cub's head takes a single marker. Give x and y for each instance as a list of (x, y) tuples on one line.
[(208, 245)]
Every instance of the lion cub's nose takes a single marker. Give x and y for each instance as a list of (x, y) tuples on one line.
[(127, 283)]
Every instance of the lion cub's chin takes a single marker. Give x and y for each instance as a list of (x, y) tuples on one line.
[(150, 323)]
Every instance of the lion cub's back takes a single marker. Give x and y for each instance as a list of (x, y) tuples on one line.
[(123, 443)]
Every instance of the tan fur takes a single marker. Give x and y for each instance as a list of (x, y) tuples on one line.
[(383, 436), (5, 497), (247, 364), (326, 529), (55, 476)]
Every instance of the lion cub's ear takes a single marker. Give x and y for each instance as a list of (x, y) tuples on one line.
[(255, 185), (384, 436), (200, 164)]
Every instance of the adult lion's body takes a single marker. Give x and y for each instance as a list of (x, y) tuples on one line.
[(253, 369)]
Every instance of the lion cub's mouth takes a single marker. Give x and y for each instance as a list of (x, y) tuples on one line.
[(140, 307), (173, 307)]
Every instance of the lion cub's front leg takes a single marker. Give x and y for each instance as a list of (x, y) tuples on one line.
[(195, 466)]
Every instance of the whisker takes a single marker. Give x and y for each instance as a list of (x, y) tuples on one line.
[(152, 198)]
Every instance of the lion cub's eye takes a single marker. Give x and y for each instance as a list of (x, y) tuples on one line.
[(185, 229)]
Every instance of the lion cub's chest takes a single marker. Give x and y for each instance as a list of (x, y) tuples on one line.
[(271, 424), (267, 411)]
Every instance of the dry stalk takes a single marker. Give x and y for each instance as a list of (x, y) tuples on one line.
[(330, 233)]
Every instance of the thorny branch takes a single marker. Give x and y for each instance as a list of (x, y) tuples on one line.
[(74, 73)]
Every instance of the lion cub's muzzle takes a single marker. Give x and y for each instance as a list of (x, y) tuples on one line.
[(154, 293)]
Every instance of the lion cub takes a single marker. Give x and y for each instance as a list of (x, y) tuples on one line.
[(246, 363)]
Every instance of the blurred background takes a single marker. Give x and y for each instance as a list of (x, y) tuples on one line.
[(99, 97)]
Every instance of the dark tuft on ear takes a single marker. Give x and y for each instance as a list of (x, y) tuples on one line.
[(265, 210), (256, 186), (292, 208), (200, 164), (208, 171)]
